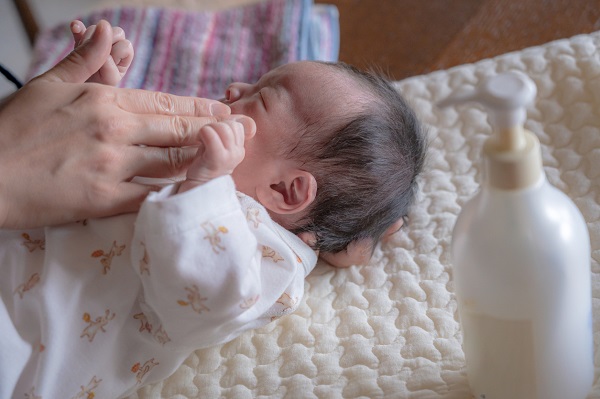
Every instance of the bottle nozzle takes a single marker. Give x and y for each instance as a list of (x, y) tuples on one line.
[(504, 96), (512, 154)]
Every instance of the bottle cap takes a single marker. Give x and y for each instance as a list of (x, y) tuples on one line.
[(513, 157)]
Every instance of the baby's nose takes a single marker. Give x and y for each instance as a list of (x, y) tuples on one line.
[(232, 94), (236, 90)]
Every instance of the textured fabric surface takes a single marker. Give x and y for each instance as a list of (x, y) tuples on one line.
[(390, 330), (200, 53)]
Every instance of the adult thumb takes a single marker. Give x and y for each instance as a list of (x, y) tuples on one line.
[(85, 60)]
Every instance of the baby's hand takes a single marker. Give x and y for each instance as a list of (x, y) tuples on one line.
[(222, 149), (120, 58), (358, 252)]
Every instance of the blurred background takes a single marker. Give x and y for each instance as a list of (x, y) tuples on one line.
[(401, 38)]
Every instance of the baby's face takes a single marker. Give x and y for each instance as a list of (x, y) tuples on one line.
[(278, 103)]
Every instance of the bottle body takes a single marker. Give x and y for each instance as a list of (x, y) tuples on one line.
[(522, 280)]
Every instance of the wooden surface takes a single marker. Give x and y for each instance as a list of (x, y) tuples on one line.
[(409, 37)]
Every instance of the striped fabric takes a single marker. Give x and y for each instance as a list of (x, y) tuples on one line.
[(200, 53)]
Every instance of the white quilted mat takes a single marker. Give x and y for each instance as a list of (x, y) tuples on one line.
[(390, 330)]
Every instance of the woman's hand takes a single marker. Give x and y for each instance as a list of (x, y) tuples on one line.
[(69, 149)]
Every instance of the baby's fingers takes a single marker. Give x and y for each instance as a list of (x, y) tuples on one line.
[(109, 73), (223, 136), (118, 34), (78, 30), (122, 54), (244, 122), (222, 150), (243, 128), (81, 33)]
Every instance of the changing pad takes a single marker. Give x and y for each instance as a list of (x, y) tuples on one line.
[(390, 330)]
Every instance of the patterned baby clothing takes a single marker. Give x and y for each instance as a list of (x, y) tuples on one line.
[(102, 307)]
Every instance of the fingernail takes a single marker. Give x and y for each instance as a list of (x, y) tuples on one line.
[(76, 27), (219, 109), (249, 124)]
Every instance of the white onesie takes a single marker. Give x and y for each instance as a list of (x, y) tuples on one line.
[(102, 307)]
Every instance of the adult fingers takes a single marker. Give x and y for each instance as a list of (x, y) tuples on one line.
[(85, 60), (158, 161), (240, 129), (167, 131), (249, 125), (128, 197), (150, 102)]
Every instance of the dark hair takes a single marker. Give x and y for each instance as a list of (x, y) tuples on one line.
[(366, 165)]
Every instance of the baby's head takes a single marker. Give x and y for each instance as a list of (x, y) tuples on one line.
[(336, 153)]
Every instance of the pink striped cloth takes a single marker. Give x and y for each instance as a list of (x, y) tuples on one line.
[(200, 53)]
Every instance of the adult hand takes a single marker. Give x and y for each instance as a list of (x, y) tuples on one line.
[(69, 149)]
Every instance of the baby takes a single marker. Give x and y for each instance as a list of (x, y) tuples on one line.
[(327, 163)]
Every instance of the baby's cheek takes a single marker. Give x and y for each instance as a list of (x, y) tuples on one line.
[(245, 106)]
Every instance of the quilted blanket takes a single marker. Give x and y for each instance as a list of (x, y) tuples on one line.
[(390, 329)]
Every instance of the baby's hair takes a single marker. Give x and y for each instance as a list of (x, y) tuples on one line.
[(366, 165)]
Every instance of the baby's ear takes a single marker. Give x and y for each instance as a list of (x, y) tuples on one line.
[(292, 194)]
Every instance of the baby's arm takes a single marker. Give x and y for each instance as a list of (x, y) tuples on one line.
[(221, 150), (121, 54)]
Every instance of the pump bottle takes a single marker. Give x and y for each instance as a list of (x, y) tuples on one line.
[(521, 258)]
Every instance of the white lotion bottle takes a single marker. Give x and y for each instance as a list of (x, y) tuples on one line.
[(521, 257)]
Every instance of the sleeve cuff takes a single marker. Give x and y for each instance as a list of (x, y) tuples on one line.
[(166, 212)]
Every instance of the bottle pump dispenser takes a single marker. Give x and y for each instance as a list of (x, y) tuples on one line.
[(521, 258)]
